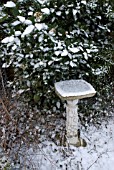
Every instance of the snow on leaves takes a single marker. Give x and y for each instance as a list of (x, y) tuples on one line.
[(14, 47), (85, 56), (64, 53), (11, 40), (10, 4), (83, 2), (52, 38), (57, 53), (15, 23), (28, 30), (74, 11), (24, 20), (41, 1), (72, 64), (74, 49), (17, 33), (41, 26), (21, 18), (5, 40), (58, 13), (45, 11)]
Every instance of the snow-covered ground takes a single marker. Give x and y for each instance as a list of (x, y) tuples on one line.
[(98, 155)]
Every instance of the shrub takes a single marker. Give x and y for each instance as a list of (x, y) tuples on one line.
[(56, 40)]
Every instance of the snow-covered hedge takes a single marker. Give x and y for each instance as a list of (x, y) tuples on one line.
[(49, 41)]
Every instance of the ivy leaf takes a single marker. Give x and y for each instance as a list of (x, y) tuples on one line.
[(3, 18)]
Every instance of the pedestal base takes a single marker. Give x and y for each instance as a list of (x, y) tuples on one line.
[(80, 143)]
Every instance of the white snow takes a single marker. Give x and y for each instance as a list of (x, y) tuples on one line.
[(60, 45), (99, 17), (41, 26), (41, 1), (74, 49), (28, 30), (20, 91), (15, 23), (45, 10), (50, 62), (52, 31), (57, 53), (36, 65), (30, 13), (100, 26), (85, 55), (14, 47), (74, 11), (17, 33), (97, 155), (64, 53), (56, 59), (28, 22), (52, 10), (11, 38), (17, 41), (22, 19), (83, 2), (10, 4), (94, 50), (76, 89), (41, 37), (5, 65), (5, 40), (72, 64), (58, 104), (88, 50), (58, 13)]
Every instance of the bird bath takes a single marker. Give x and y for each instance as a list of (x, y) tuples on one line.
[(72, 91)]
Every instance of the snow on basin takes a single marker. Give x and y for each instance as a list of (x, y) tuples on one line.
[(74, 89)]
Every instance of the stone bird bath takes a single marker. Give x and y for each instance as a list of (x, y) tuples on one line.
[(72, 91)]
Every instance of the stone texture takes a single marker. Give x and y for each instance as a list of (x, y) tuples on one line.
[(74, 89), (72, 121)]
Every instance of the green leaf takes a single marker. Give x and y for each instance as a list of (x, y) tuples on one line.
[(3, 18), (15, 11), (36, 98)]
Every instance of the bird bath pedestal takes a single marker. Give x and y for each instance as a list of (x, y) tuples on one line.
[(72, 91)]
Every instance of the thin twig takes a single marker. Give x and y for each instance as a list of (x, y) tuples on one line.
[(4, 107), (98, 158), (2, 82), (95, 160), (44, 154)]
